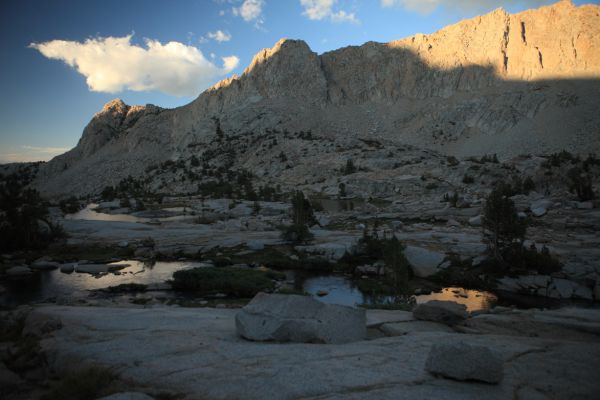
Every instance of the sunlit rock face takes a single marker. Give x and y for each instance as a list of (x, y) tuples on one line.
[(499, 83)]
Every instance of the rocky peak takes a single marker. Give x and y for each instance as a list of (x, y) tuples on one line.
[(498, 83), (284, 48), (115, 106)]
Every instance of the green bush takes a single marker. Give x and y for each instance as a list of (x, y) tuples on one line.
[(70, 205), (501, 223), (296, 233), (580, 182), (24, 222), (232, 281), (517, 259), (349, 168), (302, 216)]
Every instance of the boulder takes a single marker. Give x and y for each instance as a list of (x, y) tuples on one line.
[(540, 207), (293, 318), (18, 271), (424, 262), (44, 264), (475, 221), (446, 312), (68, 268), (464, 362), (539, 211), (256, 244)]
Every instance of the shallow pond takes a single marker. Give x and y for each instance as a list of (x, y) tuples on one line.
[(339, 289), (89, 213), (46, 285), (333, 289)]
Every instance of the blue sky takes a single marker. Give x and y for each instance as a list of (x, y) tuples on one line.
[(120, 49)]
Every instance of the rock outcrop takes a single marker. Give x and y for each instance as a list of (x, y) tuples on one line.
[(301, 319), (500, 83), (464, 362), (447, 312)]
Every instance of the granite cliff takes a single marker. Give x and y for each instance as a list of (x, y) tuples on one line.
[(500, 83)]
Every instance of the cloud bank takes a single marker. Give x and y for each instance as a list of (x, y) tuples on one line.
[(114, 64), (428, 6), (323, 9)]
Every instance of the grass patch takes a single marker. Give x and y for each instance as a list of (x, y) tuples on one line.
[(85, 384), (232, 281)]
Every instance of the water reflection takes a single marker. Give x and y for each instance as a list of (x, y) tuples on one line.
[(50, 284), (333, 289), (89, 214), (342, 290)]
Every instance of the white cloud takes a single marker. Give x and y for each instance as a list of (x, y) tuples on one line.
[(250, 10), (31, 153), (113, 64), (219, 36), (323, 9), (428, 6)]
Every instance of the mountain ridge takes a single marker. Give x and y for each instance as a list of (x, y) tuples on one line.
[(475, 87)]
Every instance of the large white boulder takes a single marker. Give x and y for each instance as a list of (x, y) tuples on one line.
[(464, 362), (292, 318)]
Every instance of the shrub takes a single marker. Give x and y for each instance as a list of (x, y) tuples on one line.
[(256, 208), (501, 223), (302, 216), (232, 281), (468, 179), (108, 193), (452, 161), (24, 222), (517, 259), (452, 199), (557, 159), (70, 205), (580, 182), (349, 168), (296, 234)]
